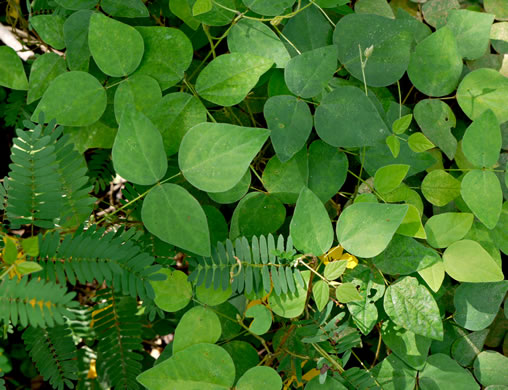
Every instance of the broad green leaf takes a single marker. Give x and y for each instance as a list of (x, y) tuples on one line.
[(73, 99), (212, 297), (483, 89), (467, 261), (138, 153), (244, 355), (12, 74), (466, 348), (405, 255), (405, 194), (234, 194), (497, 7), (290, 122), (440, 188), (433, 275), (436, 65), (125, 8), (221, 13), (174, 115), (286, 180), (44, 70), (371, 287), (411, 348), (141, 92), (182, 9), (335, 269), (252, 36), (376, 7), (482, 141), (411, 225), (198, 325), (30, 246), (173, 215), (441, 372), (419, 143), (75, 33), (97, 135), (327, 170), (402, 124), (261, 377), (28, 267), (290, 305), (390, 40), (411, 306), (393, 374), (262, 319), (477, 304), (311, 229), (491, 368), (268, 7), (227, 79), (77, 4), (312, 20), (436, 12), (201, 7), (389, 177), (321, 294), (500, 233), (174, 293), (50, 29), (482, 193), (201, 366), (444, 229), (347, 292), (366, 229), (436, 119), (221, 148), (342, 107), (117, 48), (168, 54), (309, 73), (257, 214), (394, 144), (471, 30)]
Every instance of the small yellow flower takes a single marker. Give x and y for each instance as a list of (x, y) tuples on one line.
[(352, 261), (333, 254)]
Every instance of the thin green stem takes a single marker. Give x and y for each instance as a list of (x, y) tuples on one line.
[(287, 39), (323, 12), (257, 175)]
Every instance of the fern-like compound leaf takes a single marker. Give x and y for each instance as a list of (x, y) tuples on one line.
[(54, 354), (92, 254), (250, 267), (35, 302), (119, 331)]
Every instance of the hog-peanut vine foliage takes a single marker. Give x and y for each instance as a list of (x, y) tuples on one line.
[(256, 194)]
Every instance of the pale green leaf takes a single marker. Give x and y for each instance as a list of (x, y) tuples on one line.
[(491, 368), (482, 141), (50, 29), (335, 269), (174, 293), (227, 79), (172, 214), (411, 306), (482, 193), (12, 74), (433, 275), (201, 366), (444, 229), (138, 153), (436, 64), (347, 292), (389, 177), (321, 294), (365, 229), (224, 149), (117, 48), (141, 92), (441, 372), (311, 229), (467, 261), (440, 188), (198, 325), (73, 99)]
